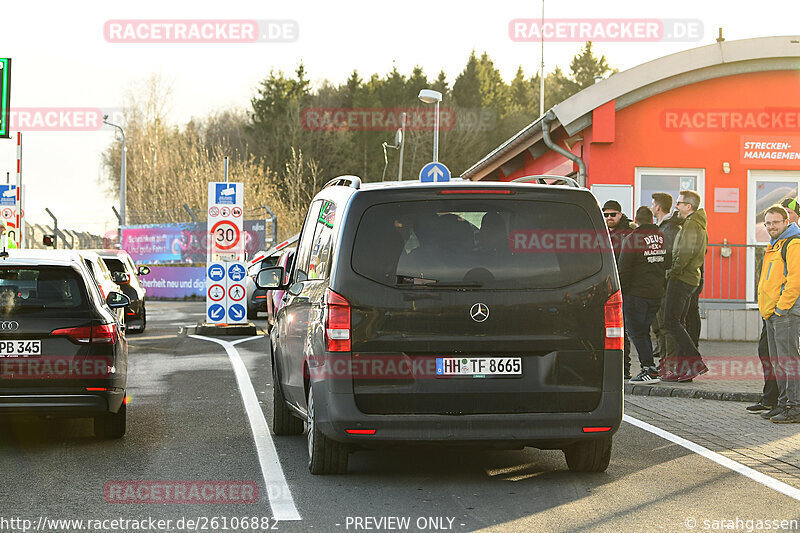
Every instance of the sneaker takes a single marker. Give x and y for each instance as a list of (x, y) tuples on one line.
[(759, 407), (773, 412), (647, 376), (689, 376), (788, 416)]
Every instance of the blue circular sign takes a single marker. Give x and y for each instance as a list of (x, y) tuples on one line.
[(237, 312), (216, 313), (216, 272), (236, 272), (434, 171)]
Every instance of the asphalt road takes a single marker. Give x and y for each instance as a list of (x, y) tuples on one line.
[(188, 425)]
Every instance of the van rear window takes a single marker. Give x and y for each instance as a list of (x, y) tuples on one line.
[(31, 289), (478, 243)]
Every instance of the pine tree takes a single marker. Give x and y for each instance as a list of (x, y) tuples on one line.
[(467, 87)]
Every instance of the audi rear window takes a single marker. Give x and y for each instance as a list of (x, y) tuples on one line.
[(31, 289), (475, 243)]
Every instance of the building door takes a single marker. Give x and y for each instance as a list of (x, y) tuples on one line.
[(764, 188)]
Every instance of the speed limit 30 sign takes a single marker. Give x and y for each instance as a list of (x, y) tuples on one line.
[(226, 235)]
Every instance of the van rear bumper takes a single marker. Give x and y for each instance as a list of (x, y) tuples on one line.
[(336, 412)]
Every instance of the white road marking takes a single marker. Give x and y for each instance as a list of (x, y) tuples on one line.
[(278, 493), (746, 471)]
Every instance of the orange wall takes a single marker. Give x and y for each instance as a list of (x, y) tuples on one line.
[(642, 139)]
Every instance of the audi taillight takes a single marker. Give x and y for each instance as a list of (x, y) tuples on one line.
[(102, 334), (337, 322), (615, 329)]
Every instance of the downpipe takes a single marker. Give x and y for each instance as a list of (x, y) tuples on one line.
[(548, 118)]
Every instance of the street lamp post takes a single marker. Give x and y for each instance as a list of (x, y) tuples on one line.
[(121, 176), (429, 96)]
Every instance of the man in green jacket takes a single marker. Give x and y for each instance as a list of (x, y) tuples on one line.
[(683, 278)]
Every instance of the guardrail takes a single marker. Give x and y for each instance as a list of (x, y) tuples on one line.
[(726, 273)]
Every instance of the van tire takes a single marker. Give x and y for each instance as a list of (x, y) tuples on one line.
[(283, 421), (589, 455), (325, 456), (111, 425)]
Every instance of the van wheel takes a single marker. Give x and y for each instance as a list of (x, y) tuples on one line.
[(283, 420), (325, 456), (589, 456), (111, 425)]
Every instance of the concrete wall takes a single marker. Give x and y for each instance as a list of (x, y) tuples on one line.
[(730, 324)]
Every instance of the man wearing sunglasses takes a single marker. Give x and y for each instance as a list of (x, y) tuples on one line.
[(683, 279), (619, 227)]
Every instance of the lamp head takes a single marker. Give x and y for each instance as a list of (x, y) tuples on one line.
[(429, 96)]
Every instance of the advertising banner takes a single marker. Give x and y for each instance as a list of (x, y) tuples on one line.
[(182, 242), (174, 282)]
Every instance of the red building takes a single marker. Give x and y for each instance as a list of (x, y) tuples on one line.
[(722, 119)]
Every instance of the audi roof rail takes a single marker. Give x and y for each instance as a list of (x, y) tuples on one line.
[(546, 179), (345, 181)]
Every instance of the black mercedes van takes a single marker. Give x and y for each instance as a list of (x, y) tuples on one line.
[(459, 313)]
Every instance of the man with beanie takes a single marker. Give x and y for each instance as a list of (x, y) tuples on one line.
[(619, 225), (641, 276)]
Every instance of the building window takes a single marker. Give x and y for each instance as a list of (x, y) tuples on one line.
[(669, 180)]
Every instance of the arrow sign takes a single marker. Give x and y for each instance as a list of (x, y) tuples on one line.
[(236, 312), (216, 312), (434, 171)]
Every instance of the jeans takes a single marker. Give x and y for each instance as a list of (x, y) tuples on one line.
[(783, 335), (676, 306), (769, 395), (666, 348), (692, 318), (638, 314)]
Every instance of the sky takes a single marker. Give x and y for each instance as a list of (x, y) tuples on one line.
[(63, 59)]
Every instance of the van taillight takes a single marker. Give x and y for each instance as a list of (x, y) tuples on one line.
[(337, 322), (102, 334), (615, 329)]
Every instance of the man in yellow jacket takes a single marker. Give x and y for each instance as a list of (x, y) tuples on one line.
[(778, 291)]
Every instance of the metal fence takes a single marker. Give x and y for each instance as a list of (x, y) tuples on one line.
[(726, 273)]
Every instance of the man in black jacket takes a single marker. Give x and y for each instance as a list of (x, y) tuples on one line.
[(668, 224), (619, 227), (642, 263)]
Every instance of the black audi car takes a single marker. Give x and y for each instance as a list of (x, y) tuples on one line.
[(63, 351), (460, 313)]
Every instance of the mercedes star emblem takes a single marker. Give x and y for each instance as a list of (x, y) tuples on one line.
[(479, 312)]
